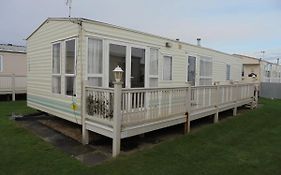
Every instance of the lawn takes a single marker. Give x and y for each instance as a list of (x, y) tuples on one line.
[(247, 144)]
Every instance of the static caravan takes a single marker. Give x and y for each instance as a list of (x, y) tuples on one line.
[(70, 68), (12, 70), (263, 71)]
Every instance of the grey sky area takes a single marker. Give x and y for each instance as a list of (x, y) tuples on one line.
[(232, 26)]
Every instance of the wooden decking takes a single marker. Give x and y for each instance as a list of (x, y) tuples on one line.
[(12, 84), (129, 112)]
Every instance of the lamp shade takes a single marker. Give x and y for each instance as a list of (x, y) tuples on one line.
[(118, 72)]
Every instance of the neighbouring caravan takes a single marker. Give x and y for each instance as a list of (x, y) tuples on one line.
[(262, 70), (166, 82), (12, 70)]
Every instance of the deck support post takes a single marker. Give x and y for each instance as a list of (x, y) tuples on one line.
[(187, 124), (188, 109), (13, 87), (257, 95), (236, 99), (216, 116), (85, 132), (117, 119)]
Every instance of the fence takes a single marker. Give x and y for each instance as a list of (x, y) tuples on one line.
[(12, 84), (119, 113), (270, 90)]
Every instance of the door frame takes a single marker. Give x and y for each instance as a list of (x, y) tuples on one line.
[(128, 61)]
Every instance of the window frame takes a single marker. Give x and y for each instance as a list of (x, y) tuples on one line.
[(64, 74), (167, 55), (60, 67)]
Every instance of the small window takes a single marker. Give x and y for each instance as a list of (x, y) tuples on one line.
[(95, 62), (228, 72), (56, 72), (167, 68), (70, 59), (1, 63)]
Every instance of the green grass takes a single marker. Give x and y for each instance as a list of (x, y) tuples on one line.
[(247, 144)]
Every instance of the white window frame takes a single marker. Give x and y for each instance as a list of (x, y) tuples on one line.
[(1, 62), (64, 74), (101, 75), (60, 71), (167, 55)]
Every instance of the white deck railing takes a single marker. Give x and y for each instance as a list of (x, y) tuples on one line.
[(12, 84), (120, 113), (140, 106)]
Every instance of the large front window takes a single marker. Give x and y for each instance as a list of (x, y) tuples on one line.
[(70, 58), (56, 68)]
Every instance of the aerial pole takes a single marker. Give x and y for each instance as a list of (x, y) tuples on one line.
[(69, 3)]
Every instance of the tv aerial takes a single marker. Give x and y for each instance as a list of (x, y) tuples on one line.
[(69, 3)]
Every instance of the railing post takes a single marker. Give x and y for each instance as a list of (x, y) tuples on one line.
[(216, 117), (236, 99), (13, 87), (188, 110), (85, 132), (117, 119), (257, 94)]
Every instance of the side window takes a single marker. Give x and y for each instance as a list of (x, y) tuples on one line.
[(153, 68), (56, 68), (95, 62), (1, 63), (167, 68), (228, 68), (70, 63)]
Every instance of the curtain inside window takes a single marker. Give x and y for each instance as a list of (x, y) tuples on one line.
[(70, 56), (95, 56), (56, 84), (167, 68), (206, 71), (153, 62), (56, 58)]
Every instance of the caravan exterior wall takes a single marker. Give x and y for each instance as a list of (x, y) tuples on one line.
[(65, 40)]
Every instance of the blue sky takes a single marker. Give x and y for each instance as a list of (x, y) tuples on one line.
[(232, 26)]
